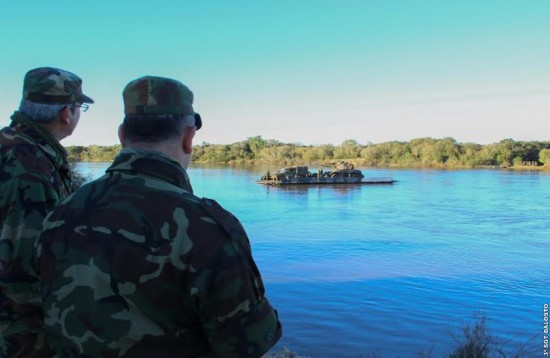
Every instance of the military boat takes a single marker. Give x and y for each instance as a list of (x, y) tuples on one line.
[(342, 173)]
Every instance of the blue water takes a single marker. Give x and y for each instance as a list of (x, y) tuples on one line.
[(395, 269)]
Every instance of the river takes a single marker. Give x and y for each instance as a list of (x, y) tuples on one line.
[(395, 269)]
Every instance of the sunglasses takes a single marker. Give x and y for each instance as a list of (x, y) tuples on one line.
[(83, 107), (198, 121)]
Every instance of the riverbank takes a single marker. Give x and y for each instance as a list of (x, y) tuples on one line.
[(472, 341), (356, 162), (416, 153)]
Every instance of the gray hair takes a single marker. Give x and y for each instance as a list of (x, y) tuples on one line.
[(40, 112)]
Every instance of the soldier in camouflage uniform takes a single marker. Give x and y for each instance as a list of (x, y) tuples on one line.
[(34, 178), (134, 265)]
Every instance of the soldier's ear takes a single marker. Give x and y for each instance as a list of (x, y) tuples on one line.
[(121, 135), (187, 139), (65, 115)]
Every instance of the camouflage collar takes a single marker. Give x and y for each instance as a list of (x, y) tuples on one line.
[(29, 135), (41, 136), (152, 164)]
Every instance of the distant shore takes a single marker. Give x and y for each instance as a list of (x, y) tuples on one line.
[(445, 153)]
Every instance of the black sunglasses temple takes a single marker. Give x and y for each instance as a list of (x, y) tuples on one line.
[(198, 121)]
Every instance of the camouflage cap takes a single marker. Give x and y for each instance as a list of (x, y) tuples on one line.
[(157, 95), (53, 86)]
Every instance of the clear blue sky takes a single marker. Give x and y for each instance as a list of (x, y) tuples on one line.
[(308, 71)]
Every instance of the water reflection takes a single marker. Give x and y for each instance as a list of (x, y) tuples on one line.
[(307, 190)]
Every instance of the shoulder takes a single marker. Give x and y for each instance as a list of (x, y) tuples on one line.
[(225, 219), (209, 216), (11, 138), (79, 199), (230, 292), (220, 245), (20, 155), (27, 176)]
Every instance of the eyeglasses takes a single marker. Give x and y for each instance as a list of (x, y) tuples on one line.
[(83, 107), (198, 121)]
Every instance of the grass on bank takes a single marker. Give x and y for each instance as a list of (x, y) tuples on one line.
[(477, 342), (472, 341)]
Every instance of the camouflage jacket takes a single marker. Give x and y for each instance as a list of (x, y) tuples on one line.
[(134, 265), (33, 180)]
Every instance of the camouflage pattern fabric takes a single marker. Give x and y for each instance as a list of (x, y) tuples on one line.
[(34, 178), (157, 95), (134, 265), (49, 85)]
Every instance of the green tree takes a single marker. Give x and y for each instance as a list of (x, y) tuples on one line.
[(349, 149), (544, 157), (506, 152), (256, 144), (448, 151), (469, 154), (373, 154)]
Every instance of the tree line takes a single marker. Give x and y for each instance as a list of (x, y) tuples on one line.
[(420, 152)]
